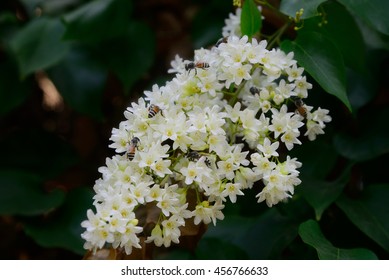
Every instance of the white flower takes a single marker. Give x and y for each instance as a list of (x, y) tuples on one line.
[(232, 190), (269, 149)]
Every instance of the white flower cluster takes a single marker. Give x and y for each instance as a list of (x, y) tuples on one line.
[(223, 123)]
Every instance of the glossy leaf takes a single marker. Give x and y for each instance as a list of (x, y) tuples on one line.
[(80, 79), (98, 20), (63, 229), (250, 19), (373, 12), (322, 60), (370, 213), (39, 45), (311, 234), (369, 141), (277, 230), (22, 193), (309, 153), (130, 55), (320, 194), (339, 22), (290, 7)]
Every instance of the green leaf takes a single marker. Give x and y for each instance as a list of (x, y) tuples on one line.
[(206, 33), (322, 60), (98, 20), (373, 12), (243, 232), (308, 155), (311, 234), (369, 141), (339, 22), (12, 91), (38, 45), (321, 194), (131, 55), (370, 213), (80, 79), (217, 249), (21, 193), (63, 229), (290, 7), (250, 19)]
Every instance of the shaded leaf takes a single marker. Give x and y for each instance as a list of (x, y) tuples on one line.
[(21, 193), (218, 249), (322, 60), (320, 194), (311, 234), (38, 45), (207, 32), (370, 213), (98, 20), (243, 232), (80, 80), (338, 23), (130, 55), (290, 7), (373, 12), (309, 153), (250, 18), (369, 142), (64, 229)]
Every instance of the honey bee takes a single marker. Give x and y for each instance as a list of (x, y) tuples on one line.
[(194, 65), (134, 143), (153, 110), (254, 90), (300, 108), (195, 156)]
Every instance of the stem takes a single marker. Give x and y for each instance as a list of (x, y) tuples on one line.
[(275, 38)]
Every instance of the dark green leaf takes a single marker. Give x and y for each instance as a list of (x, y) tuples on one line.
[(98, 20), (341, 22), (367, 143), (217, 249), (370, 213), (277, 231), (64, 229), (80, 80), (318, 158), (21, 193), (206, 33), (373, 12), (38, 45), (290, 7), (361, 88), (130, 56), (250, 18), (322, 60), (311, 234), (321, 194), (12, 91)]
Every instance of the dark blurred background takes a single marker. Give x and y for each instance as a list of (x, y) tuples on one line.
[(68, 70)]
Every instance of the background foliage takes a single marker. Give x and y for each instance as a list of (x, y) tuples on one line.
[(102, 54)]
